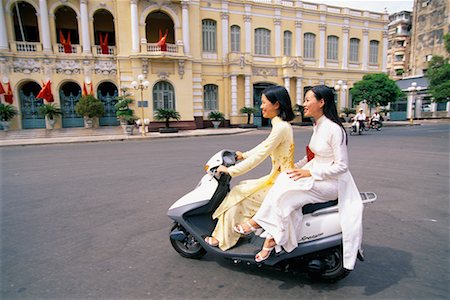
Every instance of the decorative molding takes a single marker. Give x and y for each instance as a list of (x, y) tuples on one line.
[(265, 72), (322, 26), (68, 67), (26, 66), (345, 29), (224, 16), (163, 75), (247, 18), (277, 22), (145, 63), (298, 24), (295, 63), (105, 67), (365, 32), (181, 68)]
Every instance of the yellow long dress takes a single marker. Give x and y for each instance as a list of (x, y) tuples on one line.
[(244, 200)]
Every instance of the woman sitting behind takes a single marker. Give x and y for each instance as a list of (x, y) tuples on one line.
[(245, 199), (323, 178)]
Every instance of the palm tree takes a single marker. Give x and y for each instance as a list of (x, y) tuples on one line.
[(249, 111), (167, 114)]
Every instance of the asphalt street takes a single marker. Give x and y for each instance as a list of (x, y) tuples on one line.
[(88, 221)]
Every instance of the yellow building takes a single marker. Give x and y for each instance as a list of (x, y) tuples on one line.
[(218, 57)]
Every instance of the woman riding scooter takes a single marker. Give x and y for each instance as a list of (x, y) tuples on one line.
[(245, 199), (323, 177)]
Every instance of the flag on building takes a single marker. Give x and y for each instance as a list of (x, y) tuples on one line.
[(9, 95), (46, 92), (104, 44), (2, 90), (65, 42), (84, 92)]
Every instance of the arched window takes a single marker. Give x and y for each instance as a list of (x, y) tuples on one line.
[(373, 52), (287, 45), (25, 22), (354, 50), (332, 47), (309, 45), (66, 22), (235, 38), (210, 96), (104, 24), (157, 24), (209, 36), (262, 41), (163, 96)]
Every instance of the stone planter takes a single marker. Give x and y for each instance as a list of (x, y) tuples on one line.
[(88, 122), (5, 125), (128, 129), (168, 130), (216, 124), (49, 123)]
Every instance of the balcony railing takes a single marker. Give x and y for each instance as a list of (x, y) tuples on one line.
[(170, 50), (154, 47), (61, 48), (28, 47), (98, 50)]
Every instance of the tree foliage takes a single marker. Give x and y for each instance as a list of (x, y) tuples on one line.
[(438, 74), (376, 90)]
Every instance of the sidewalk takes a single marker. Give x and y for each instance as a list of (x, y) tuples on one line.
[(82, 135), (114, 133)]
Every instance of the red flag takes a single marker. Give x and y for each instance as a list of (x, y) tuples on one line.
[(104, 44), (46, 92), (2, 90), (92, 89), (9, 94), (84, 91), (66, 43), (162, 40)]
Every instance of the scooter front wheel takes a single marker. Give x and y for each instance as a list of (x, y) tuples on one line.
[(188, 247)]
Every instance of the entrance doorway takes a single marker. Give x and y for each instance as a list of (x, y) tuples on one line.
[(258, 119)]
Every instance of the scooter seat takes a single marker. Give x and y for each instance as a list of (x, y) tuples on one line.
[(310, 208)]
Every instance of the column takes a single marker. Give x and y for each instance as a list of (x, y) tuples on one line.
[(277, 23), (448, 108), (225, 36), (134, 26), (248, 102), (365, 48), (197, 95), (43, 12), (298, 37), (343, 92), (248, 28), (433, 108), (185, 16), (385, 50), (248, 33), (287, 84), (345, 42), (233, 95), (418, 107), (299, 91), (3, 33), (85, 27), (322, 28), (409, 105)]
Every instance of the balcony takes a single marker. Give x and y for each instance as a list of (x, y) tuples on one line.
[(97, 50), (59, 48), (172, 50), (27, 47)]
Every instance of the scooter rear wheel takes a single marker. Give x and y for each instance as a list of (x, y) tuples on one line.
[(333, 267), (189, 247)]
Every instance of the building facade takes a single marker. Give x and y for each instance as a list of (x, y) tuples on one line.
[(430, 23), (399, 44), (218, 56)]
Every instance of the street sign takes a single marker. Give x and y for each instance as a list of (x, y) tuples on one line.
[(145, 103)]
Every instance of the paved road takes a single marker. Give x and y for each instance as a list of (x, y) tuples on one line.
[(84, 221)]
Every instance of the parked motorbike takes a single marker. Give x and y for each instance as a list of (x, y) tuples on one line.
[(319, 250)]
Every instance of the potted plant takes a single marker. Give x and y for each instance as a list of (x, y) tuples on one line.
[(89, 107), (347, 111), (249, 111), (216, 118), (167, 114), (125, 114), (7, 112), (51, 113)]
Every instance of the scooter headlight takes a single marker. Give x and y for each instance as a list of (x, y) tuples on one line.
[(206, 168)]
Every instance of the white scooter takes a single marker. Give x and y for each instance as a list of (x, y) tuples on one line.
[(319, 251)]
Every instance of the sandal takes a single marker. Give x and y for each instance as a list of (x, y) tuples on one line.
[(209, 241), (240, 229), (260, 258)]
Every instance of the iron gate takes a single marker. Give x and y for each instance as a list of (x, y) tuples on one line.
[(69, 117), (29, 106)]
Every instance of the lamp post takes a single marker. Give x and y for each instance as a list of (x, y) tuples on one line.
[(141, 84), (340, 86), (413, 89)]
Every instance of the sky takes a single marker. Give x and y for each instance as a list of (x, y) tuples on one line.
[(392, 6)]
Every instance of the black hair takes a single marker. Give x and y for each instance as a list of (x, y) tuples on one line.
[(279, 94), (329, 108)]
